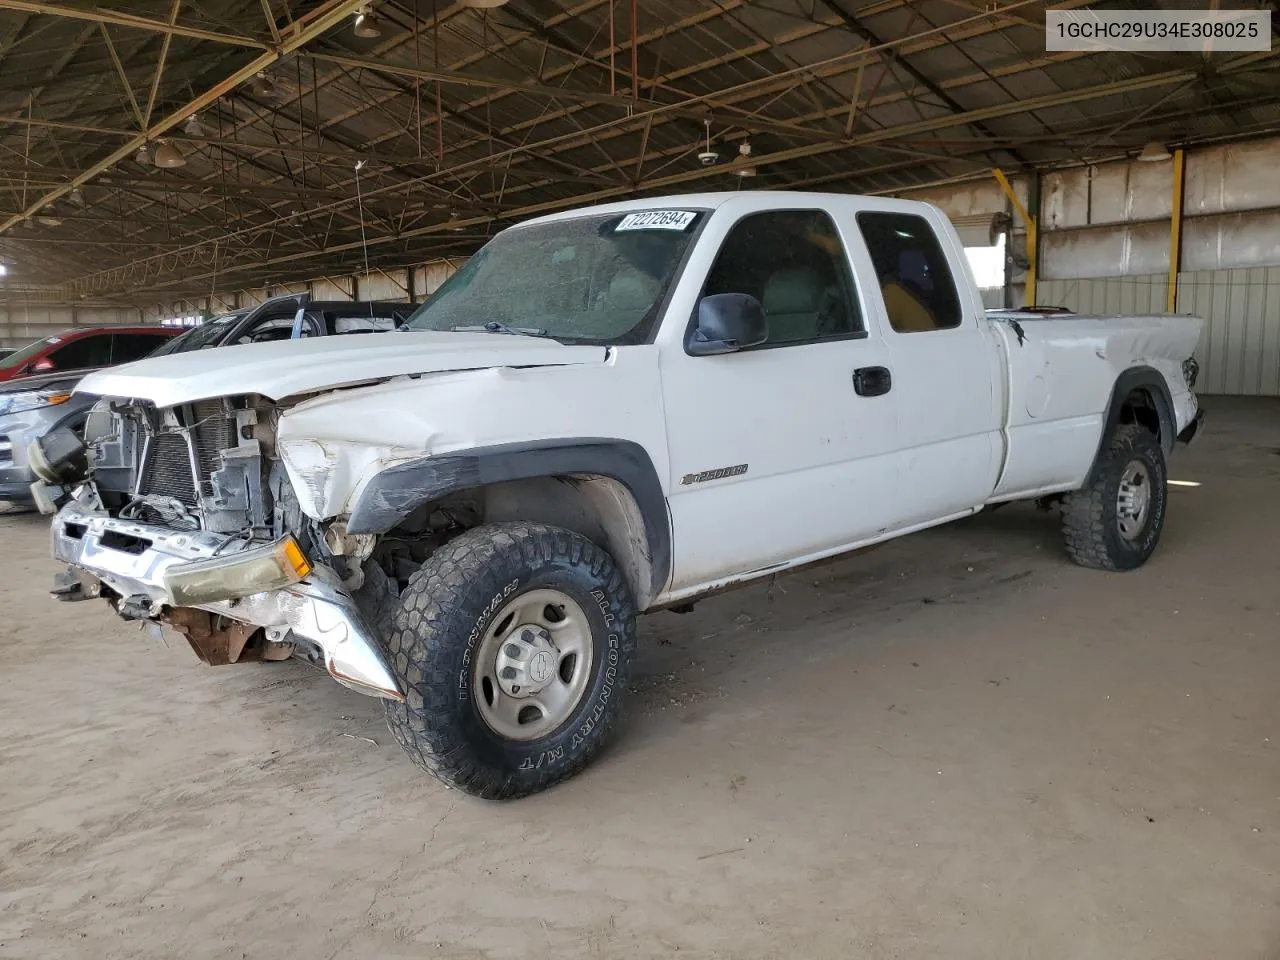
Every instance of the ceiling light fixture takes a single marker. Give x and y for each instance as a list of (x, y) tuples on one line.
[(365, 25), (708, 156), (143, 156), (168, 156), (744, 156), (264, 86), (1154, 152), (192, 127), (76, 196)]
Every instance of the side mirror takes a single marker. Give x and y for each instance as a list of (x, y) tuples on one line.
[(43, 366), (728, 322)]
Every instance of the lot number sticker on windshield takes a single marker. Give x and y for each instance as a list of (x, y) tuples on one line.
[(656, 220)]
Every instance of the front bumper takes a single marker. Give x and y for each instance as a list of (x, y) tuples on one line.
[(133, 560), (15, 483), (16, 475)]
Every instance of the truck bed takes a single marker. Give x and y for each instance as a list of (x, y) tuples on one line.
[(1059, 379)]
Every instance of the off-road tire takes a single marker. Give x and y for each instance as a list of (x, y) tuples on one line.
[(1090, 516), (442, 619)]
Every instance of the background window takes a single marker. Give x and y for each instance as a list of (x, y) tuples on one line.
[(915, 279), (84, 352), (793, 262), (268, 329), (127, 347)]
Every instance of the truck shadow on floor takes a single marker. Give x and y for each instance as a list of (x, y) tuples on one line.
[(686, 659)]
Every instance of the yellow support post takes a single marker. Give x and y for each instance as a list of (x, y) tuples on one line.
[(1029, 222), (1175, 236)]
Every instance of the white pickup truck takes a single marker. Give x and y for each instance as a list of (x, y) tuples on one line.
[(607, 411)]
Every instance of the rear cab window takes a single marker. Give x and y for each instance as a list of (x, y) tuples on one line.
[(916, 282)]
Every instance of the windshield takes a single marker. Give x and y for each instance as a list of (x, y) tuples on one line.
[(594, 279), (208, 334), (19, 357)]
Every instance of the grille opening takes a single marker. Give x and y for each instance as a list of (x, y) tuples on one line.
[(168, 469), (125, 543)]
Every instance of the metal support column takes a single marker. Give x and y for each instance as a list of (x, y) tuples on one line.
[(1029, 222), (1175, 234)]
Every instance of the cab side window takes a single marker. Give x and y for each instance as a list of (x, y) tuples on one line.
[(915, 278), (793, 262)]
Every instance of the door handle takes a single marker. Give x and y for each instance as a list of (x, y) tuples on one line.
[(872, 381)]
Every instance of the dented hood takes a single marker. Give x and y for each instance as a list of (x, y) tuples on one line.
[(288, 368)]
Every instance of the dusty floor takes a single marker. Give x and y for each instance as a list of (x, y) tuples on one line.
[(955, 746)]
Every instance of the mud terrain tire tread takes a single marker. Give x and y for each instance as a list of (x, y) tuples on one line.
[(447, 601), (1089, 523)]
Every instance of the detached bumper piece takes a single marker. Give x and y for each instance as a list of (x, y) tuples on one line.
[(1192, 429), (157, 571)]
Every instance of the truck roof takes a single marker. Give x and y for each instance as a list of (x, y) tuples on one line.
[(710, 201)]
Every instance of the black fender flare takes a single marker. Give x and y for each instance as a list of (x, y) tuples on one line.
[(391, 495), (1139, 378)]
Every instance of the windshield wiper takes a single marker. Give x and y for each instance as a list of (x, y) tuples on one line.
[(493, 326)]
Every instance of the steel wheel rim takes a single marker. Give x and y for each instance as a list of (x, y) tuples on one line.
[(1133, 499), (533, 666)]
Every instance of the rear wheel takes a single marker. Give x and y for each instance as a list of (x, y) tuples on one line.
[(1115, 522), (513, 643)]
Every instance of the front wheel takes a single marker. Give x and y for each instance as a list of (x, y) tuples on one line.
[(1115, 522), (513, 643)]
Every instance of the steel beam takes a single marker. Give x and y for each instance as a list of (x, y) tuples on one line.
[(122, 19), (937, 123), (328, 14)]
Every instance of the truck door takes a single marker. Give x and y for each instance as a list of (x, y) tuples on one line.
[(782, 451), (945, 368)]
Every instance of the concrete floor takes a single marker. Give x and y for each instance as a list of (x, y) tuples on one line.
[(957, 745)]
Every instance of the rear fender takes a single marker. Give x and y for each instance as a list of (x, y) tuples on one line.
[(1151, 381)]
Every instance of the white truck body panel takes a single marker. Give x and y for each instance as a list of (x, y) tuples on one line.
[(289, 368), (1059, 381), (976, 413)]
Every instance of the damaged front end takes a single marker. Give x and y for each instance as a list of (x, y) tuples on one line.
[(181, 517)]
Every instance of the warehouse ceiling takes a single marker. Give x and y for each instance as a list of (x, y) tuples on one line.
[(286, 139)]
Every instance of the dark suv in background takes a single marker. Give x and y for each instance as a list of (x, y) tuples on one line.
[(292, 317), (33, 405)]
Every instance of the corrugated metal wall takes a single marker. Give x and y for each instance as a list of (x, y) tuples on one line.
[(1239, 352), (20, 324), (390, 284), (1106, 294), (1105, 249)]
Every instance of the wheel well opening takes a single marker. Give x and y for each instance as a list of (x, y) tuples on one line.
[(599, 508), (1140, 407)]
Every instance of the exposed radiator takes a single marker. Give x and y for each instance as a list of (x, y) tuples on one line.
[(167, 471), (214, 432)]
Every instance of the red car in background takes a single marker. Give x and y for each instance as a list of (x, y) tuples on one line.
[(83, 349)]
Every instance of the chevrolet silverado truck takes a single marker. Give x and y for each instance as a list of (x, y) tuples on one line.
[(608, 411)]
